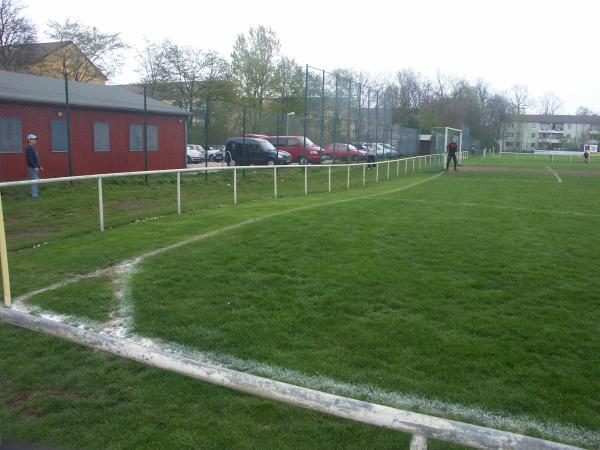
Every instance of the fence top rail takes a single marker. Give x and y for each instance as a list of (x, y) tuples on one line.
[(547, 152), (336, 405), (190, 170)]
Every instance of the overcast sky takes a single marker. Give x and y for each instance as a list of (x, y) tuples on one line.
[(546, 45)]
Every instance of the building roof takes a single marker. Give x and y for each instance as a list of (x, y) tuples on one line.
[(36, 51), (47, 90), (536, 118)]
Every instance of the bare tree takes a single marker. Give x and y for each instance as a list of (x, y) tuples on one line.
[(99, 51), (519, 98), (15, 30), (190, 72), (482, 89), (548, 104), (152, 67), (584, 111)]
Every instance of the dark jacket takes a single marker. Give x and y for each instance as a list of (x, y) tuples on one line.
[(32, 157), (452, 148)]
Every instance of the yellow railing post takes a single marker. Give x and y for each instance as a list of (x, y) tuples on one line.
[(4, 259)]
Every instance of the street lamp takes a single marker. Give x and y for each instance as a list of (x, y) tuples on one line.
[(287, 119)]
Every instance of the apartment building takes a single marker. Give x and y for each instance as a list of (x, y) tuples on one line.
[(529, 132)]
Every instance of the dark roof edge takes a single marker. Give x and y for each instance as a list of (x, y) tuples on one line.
[(183, 113)]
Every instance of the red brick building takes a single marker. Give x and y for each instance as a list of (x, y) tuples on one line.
[(106, 128)]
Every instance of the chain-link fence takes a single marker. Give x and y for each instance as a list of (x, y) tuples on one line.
[(333, 118), (85, 129)]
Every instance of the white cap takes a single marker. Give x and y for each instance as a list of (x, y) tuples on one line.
[(31, 136)]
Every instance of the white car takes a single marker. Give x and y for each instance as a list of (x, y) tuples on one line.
[(193, 156)]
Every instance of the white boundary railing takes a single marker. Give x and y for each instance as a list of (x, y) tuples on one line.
[(421, 426), (548, 155), (426, 160)]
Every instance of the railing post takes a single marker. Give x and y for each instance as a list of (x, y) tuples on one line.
[(388, 170), (377, 173), (235, 186), (420, 159), (329, 179), (100, 204), (405, 166), (413, 165), (418, 442), (364, 175), (178, 193), (398, 168), (306, 180), (348, 187), (274, 182), (4, 259)]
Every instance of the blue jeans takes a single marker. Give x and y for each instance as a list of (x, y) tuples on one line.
[(33, 175)]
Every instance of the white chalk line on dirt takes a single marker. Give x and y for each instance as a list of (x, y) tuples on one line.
[(558, 178), (121, 323)]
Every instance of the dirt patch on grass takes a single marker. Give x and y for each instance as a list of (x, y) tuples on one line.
[(488, 169)]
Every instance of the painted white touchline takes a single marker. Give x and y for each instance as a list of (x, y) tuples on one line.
[(121, 326), (522, 423), (129, 264), (480, 205), (555, 174)]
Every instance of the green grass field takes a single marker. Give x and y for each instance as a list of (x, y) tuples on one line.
[(469, 295)]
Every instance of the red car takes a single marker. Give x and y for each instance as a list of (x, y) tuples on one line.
[(346, 152), (294, 145)]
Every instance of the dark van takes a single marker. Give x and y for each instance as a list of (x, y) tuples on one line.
[(246, 151)]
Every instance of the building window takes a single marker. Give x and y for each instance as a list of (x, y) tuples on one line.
[(136, 137), (508, 144), (101, 137), (558, 126), (11, 134), (534, 125), (546, 126), (533, 135), (568, 126), (58, 135), (533, 145)]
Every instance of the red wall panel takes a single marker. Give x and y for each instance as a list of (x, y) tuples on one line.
[(85, 161)]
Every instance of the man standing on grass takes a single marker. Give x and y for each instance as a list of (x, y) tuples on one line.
[(371, 151), (33, 163), (451, 150)]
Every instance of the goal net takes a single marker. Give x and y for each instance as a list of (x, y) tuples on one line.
[(441, 137)]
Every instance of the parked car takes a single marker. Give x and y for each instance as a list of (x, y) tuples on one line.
[(391, 152), (380, 151), (245, 151), (294, 145), (217, 156), (212, 150), (193, 156), (345, 151)]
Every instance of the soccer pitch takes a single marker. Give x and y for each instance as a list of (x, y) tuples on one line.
[(468, 295)]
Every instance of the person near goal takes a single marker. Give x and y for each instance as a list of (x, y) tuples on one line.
[(451, 151), (586, 155)]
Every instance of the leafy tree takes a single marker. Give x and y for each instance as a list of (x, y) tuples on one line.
[(102, 50), (253, 65), (15, 30)]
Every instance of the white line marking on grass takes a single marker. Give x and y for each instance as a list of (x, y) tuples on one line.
[(374, 394), (480, 205), (121, 327), (558, 178), (501, 180)]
